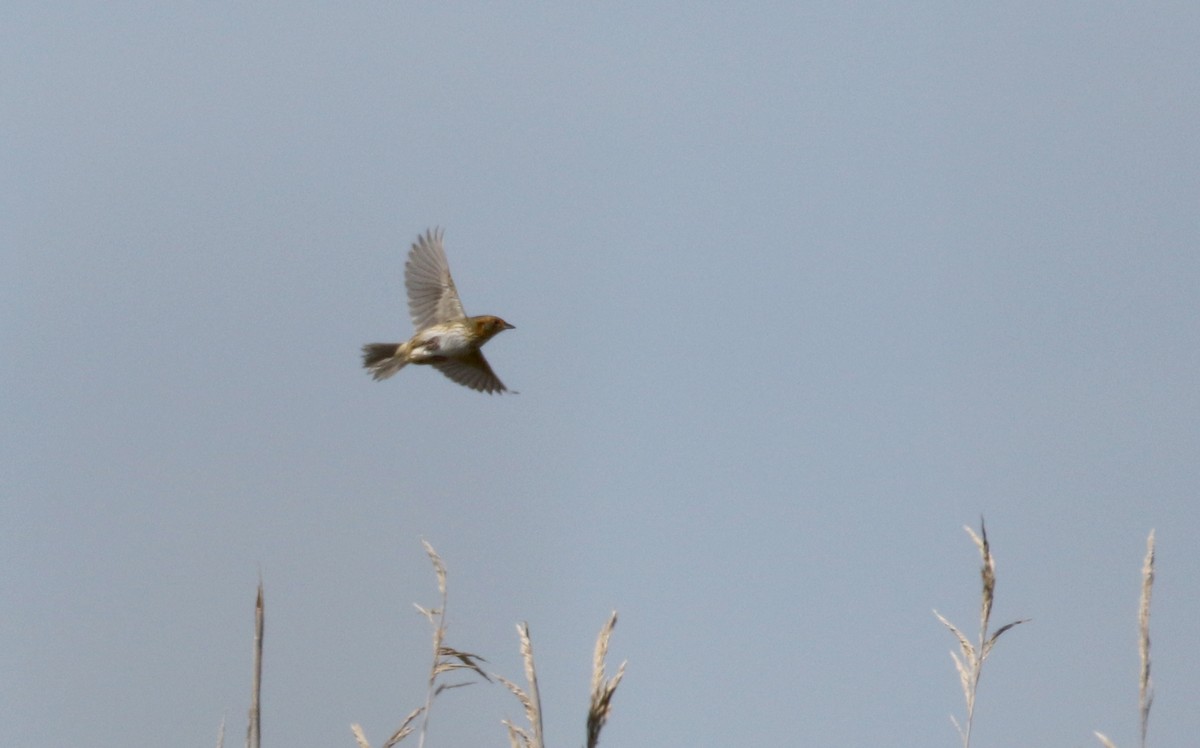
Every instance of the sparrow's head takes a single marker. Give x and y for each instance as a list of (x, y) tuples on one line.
[(486, 326)]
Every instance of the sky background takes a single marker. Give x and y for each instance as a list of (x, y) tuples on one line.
[(800, 289)]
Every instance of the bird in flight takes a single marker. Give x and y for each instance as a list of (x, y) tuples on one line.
[(445, 338)]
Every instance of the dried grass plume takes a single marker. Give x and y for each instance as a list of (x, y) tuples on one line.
[(970, 663)]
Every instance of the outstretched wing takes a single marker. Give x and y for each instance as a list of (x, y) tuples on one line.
[(432, 297), (472, 371)]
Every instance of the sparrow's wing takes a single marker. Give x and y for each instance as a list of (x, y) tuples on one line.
[(472, 371), (432, 297)]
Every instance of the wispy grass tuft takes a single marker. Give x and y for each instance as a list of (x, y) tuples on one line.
[(1145, 685), (970, 663), (531, 699), (602, 691), (603, 687)]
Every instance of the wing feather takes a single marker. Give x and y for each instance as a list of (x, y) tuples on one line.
[(432, 298), (472, 371)]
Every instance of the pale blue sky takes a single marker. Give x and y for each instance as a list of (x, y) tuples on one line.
[(800, 289)]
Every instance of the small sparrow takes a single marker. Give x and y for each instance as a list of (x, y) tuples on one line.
[(445, 336)]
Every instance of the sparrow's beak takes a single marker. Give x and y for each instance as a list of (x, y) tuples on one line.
[(509, 327)]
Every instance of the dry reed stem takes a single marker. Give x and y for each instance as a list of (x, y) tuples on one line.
[(531, 700), (603, 687), (405, 728), (602, 690), (517, 737), (443, 657), (254, 729), (445, 660), (221, 733), (970, 664), (1145, 686), (437, 618), (400, 734), (439, 568)]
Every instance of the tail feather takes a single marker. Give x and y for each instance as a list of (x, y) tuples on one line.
[(384, 359)]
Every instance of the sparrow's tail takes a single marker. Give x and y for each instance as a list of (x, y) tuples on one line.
[(384, 359)]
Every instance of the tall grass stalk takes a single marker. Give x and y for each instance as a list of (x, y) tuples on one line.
[(970, 664), (530, 698), (254, 728), (603, 687), (445, 660), (1145, 685), (602, 690)]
